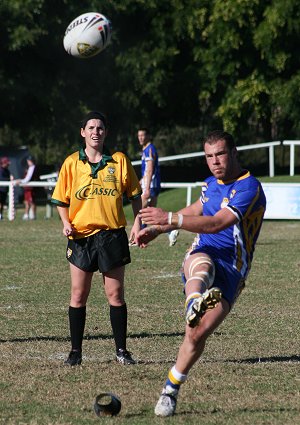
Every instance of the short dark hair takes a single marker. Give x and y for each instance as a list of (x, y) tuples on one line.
[(144, 129), (94, 115), (216, 135)]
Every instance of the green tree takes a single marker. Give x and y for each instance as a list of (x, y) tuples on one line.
[(180, 67)]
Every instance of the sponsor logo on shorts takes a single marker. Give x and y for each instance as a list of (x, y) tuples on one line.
[(91, 191), (69, 252)]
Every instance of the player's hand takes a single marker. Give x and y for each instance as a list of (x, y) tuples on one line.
[(153, 215), (68, 230), (147, 235)]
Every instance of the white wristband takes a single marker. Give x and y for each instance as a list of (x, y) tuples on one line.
[(180, 220), (170, 214)]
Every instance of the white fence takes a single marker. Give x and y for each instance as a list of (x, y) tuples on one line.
[(269, 145), (292, 144), (189, 186), (283, 199)]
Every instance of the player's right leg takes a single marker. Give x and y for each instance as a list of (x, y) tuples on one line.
[(189, 352), (80, 289)]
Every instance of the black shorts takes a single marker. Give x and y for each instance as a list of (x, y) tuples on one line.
[(103, 251)]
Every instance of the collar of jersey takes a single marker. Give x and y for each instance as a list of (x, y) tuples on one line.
[(245, 174), (106, 157)]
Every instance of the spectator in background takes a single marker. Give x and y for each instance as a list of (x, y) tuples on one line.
[(4, 176), (150, 179), (29, 191)]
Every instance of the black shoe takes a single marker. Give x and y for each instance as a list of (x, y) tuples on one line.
[(124, 357), (74, 358)]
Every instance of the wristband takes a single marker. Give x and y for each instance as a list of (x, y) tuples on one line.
[(170, 216), (180, 220), (176, 220)]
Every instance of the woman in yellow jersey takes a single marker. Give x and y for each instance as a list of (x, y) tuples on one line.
[(89, 199)]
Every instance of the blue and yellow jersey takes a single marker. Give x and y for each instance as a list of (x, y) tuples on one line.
[(94, 192), (150, 154), (245, 198)]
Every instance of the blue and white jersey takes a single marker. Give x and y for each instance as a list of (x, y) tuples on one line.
[(150, 154), (245, 198)]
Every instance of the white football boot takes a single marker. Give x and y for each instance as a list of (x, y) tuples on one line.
[(166, 404), (173, 237), (196, 307)]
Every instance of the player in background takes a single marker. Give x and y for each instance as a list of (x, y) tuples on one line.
[(89, 199), (150, 175), (227, 218), (150, 178)]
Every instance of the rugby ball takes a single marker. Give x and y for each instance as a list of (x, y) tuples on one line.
[(87, 35), (107, 404)]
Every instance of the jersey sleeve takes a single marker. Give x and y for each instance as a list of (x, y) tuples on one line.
[(151, 155), (61, 193), (242, 201)]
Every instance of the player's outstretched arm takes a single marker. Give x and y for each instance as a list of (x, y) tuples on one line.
[(192, 223)]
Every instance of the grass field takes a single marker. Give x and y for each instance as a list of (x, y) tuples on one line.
[(249, 373)]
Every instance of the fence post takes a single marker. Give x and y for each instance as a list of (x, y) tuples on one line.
[(271, 161), (292, 159), (11, 202)]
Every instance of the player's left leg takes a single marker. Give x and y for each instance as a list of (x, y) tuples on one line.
[(199, 273), (114, 290)]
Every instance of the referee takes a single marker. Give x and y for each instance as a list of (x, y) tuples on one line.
[(89, 199)]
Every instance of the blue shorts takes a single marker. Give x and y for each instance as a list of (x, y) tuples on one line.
[(230, 281)]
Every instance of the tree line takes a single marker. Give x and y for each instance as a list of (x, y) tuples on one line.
[(179, 67)]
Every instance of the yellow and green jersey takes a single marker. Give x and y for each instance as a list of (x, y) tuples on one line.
[(94, 192)]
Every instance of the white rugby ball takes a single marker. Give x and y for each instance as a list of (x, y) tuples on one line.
[(87, 35)]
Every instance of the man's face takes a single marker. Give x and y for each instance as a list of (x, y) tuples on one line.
[(221, 161), (143, 137), (94, 133)]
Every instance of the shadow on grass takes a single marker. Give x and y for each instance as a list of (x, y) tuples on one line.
[(273, 359), (242, 410), (91, 337)]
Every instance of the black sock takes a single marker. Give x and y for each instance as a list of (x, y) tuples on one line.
[(118, 320), (77, 323)]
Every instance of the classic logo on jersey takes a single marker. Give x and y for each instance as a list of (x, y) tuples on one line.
[(91, 191), (233, 192), (111, 170)]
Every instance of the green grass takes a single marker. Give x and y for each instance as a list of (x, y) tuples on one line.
[(249, 373)]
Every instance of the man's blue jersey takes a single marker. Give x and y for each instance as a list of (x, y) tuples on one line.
[(245, 198), (150, 154)]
